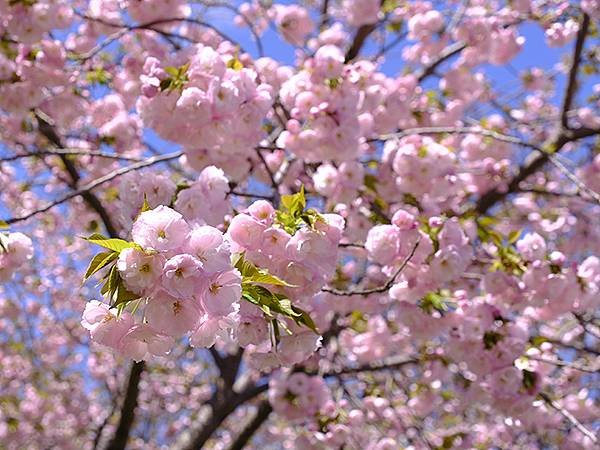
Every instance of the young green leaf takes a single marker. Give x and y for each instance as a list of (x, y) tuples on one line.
[(3, 225), (252, 274), (100, 261), (123, 295), (110, 243)]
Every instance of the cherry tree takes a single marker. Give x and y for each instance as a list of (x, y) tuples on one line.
[(319, 225)]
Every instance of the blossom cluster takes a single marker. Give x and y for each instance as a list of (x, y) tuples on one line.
[(298, 396), (185, 277), (208, 102), (304, 256), (15, 250), (185, 280), (201, 202)]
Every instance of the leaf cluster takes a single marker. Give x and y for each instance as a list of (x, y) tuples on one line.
[(270, 303), (176, 80), (113, 287), (293, 214)]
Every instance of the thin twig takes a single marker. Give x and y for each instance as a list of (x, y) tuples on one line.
[(262, 414), (457, 130), (570, 417), (446, 54), (70, 151), (559, 363), (380, 289), (581, 186), (96, 183), (573, 71), (274, 183)]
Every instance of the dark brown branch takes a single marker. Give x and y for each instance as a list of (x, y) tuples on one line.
[(127, 414), (379, 289), (48, 131), (69, 151), (220, 411), (228, 365), (494, 196), (119, 440), (564, 136), (388, 364), (262, 414), (573, 71), (446, 54), (324, 15), (359, 40), (274, 183), (89, 197)]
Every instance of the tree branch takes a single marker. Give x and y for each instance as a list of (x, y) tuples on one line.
[(565, 135), (220, 411), (573, 71), (85, 191), (262, 414), (446, 54), (119, 440), (380, 289), (570, 417), (360, 37), (69, 151), (127, 415), (457, 130)]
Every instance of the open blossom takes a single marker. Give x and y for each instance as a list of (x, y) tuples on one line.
[(183, 275), (294, 23), (221, 291), (532, 246), (383, 243), (15, 250), (204, 201), (141, 342), (209, 246), (246, 231), (298, 395), (331, 198), (160, 229), (172, 316), (103, 324), (224, 110), (141, 272), (361, 12)]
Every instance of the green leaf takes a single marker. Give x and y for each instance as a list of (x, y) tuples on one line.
[(123, 295), (98, 262), (3, 243), (293, 213), (513, 236), (252, 274), (433, 301), (491, 338), (110, 243), (529, 379), (145, 206), (112, 279), (264, 277), (370, 182), (294, 203), (3, 225), (271, 303), (177, 78), (305, 319), (235, 64), (173, 71), (536, 341)]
